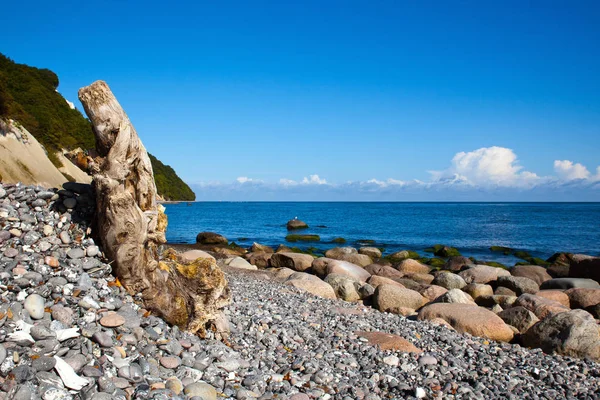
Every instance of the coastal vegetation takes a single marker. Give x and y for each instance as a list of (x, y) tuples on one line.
[(29, 96)]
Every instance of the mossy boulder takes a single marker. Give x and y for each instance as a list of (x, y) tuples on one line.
[(435, 262), (296, 224), (502, 249), (447, 251), (522, 254), (340, 240), (302, 238), (211, 238), (495, 264)]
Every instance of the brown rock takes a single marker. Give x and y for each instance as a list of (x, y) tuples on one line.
[(410, 266), (296, 224), (519, 317), (376, 280), (536, 273), (260, 259), (501, 300), (391, 298), (257, 248), (388, 341), (192, 255), (372, 252), (424, 279), (51, 261), (295, 261), (383, 270), (583, 266), (432, 292), (470, 319), (556, 295), (345, 268), (478, 289), (540, 306), (504, 291), (211, 238), (457, 263), (583, 297), (311, 284), (112, 320), (482, 274)]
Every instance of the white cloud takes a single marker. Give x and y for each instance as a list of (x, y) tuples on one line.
[(386, 183), (488, 166), (314, 180), (568, 171), (287, 182), (245, 179)]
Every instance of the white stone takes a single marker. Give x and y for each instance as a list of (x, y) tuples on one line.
[(34, 304), (391, 360), (68, 375)]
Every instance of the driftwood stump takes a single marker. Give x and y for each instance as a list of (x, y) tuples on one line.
[(132, 225)]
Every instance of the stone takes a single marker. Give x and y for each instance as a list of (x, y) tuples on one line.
[(260, 248), (519, 317), (296, 261), (570, 283), (427, 360), (51, 261), (239, 262), (572, 333), (504, 291), (390, 298), (174, 384), (76, 253), (501, 300), (455, 296), (383, 270), (372, 252), (376, 280), (43, 363), (476, 290), (392, 360), (472, 319), (92, 251), (259, 259), (34, 304), (40, 332), (556, 295), (311, 284), (211, 238), (540, 306), (432, 292), (410, 266), (387, 341), (482, 274), (348, 254), (519, 284), (192, 255), (202, 390), (457, 263), (449, 280), (583, 297), (65, 237), (294, 224), (348, 269), (70, 202), (534, 272), (583, 266), (112, 320), (103, 339), (170, 362), (345, 288), (11, 252)]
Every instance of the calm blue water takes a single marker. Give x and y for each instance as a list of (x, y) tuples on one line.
[(540, 228)]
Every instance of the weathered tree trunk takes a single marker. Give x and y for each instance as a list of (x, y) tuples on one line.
[(132, 225)]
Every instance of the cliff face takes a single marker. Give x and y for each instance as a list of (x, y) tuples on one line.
[(24, 159), (40, 126)]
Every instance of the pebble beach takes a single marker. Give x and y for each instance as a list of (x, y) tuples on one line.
[(68, 330)]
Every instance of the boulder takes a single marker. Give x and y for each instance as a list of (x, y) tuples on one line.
[(372, 252), (257, 248), (583, 297), (383, 270), (556, 295), (410, 284), (295, 261), (449, 280), (282, 248), (192, 255), (540, 306), (410, 266), (282, 274), (519, 317), (211, 238), (432, 292), (319, 265), (518, 284), (359, 259), (457, 263), (472, 319), (446, 251), (311, 284), (402, 255), (296, 224), (239, 262), (500, 300), (583, 266), (302, 238), (376, 280), (348, 269), (260, 259), (571, 333), (391, 298), (344, 287), (455, 296), (478, 289), (482, 274), (423, 279), (533, 272), (338, 252), (570, 283), (504, 291)]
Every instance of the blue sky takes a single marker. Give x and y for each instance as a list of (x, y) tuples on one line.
[(341, 100)]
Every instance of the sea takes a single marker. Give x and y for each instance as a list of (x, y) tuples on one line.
[(541, 229)]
